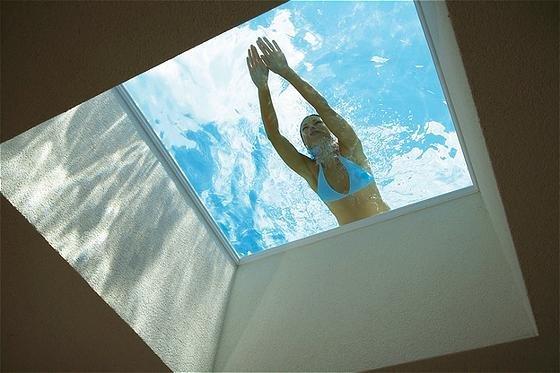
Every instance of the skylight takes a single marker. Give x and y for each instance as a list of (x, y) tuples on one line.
[(369, 60)]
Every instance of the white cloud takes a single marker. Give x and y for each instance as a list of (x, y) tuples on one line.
[(430, 127), (406, 42), (415, 175), (282, 23), (379, 59), (315, 40), (308, 66)]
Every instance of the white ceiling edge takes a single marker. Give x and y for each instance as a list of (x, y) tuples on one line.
[(436, 22)]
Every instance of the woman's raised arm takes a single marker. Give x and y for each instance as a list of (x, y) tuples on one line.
[(259, 74), (276, 61)]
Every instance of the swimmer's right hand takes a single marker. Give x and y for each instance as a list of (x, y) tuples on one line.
[(257, 68)]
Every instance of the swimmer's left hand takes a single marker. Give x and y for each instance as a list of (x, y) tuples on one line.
[(273, 56)]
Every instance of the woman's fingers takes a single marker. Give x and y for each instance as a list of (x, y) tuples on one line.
[(269, 44), (249, 58), (264, 47), (249, 64), (261, 47), (266, 59), (264, 51), (256, 58), (253, 55), (267, 47), (256, 54)]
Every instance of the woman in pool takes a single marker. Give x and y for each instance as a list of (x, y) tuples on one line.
[(339, 173)]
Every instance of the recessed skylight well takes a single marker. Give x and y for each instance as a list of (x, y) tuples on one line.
[(372, 64), (156, 191)]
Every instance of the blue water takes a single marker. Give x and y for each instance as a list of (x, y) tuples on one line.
[(370, 60)]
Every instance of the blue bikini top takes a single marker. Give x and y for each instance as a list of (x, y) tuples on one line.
[(357, 177)]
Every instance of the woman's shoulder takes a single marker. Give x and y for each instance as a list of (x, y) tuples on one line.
[(310, 171), (356, 155)]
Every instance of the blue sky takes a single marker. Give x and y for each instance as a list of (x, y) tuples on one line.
[(370, 60)]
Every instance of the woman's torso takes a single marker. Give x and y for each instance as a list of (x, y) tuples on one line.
[(361, 204)]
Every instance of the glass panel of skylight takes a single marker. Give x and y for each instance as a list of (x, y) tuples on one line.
[(370, 60)]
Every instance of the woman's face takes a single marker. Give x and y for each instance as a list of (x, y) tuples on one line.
[(314, 131)]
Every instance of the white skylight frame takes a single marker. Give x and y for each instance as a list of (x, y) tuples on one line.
[(127, 98), (185, 183)]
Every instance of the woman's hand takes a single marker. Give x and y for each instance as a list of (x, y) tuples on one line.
[(257, 68), (273, 56)]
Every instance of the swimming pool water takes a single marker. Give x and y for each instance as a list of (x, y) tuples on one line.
[(370, 60)]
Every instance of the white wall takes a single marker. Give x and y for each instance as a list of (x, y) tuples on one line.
[(431, 282), (444, 43), (96, 189)]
